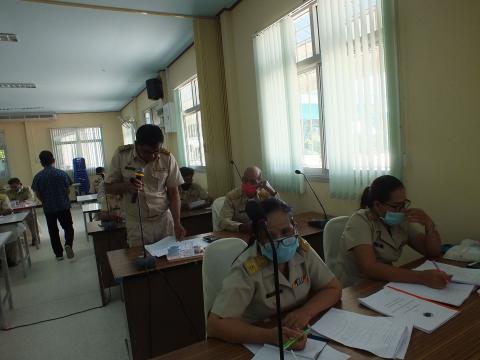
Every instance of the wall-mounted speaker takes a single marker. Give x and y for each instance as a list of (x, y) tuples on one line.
[(154, 89)]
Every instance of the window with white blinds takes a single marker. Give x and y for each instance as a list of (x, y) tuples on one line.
[(3, 156), (70, 143)]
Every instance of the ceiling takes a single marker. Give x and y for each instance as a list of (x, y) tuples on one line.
[(85, 60)]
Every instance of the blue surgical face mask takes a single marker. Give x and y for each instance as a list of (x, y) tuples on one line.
[(394, 218), (286, 249)]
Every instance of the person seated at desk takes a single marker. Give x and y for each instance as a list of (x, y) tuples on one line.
[(307, 286), (374, 237), (190, 191), (99, 178), (232, 215), (21, 193), (11, 248)]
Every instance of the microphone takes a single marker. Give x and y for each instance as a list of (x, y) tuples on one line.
[(256, 213), (139, 174), (318, 223), (146, 261), (236, 169)]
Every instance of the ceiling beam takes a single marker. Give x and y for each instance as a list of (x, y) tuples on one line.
[(118, 9)]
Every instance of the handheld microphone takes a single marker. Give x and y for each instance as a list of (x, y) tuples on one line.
[(319, 223), (236, 169), (139, 174), (258, 216)]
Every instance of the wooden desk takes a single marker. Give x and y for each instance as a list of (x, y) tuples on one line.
[(4, 237), (197, 221), (313, 235), (103, 241), (458, 339), (175, 293), (30, 207), (89, 209)]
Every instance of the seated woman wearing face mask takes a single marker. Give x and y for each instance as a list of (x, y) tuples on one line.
[(375, 235), (307, 286)]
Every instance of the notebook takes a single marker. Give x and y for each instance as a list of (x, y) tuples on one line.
[(425, 315), (459, 274)]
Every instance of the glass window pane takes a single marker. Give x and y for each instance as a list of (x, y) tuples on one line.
[(303, 35), (186, 96), (194, 139), (310, 119)]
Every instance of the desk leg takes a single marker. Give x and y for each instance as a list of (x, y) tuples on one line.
[(85, 223), (35, 225), (6, 274)]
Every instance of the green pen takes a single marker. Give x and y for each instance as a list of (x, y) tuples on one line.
[(293, 341)]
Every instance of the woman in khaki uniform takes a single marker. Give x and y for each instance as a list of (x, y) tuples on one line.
[(375, 235), (307, 286)]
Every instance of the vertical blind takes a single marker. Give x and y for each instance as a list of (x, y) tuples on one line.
[(355, 97), (70, 143), (3, 156)]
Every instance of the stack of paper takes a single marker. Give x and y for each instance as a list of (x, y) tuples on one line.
[(314, 350), (425, 315), (383, 336), (453, 294), (459, 274), (170, 245)]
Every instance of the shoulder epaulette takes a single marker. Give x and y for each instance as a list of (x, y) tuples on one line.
[(254, 264), (125, 147), (164, 151), (303, 244)]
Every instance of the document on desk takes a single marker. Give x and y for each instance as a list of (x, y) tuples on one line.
[(314, 350), (169, 243), (459, 274), (197, 204), (386, 337), (453, 294), (425, 315)]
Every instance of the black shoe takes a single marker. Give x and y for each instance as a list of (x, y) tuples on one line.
[(59, 257), (69, 251)]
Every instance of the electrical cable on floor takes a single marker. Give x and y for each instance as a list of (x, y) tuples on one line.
[(52, 319)]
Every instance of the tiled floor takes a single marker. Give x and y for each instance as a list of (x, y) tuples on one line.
[(58, 288)]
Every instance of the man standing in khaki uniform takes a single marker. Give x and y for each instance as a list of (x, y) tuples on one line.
[(232, 215), (158, 196), (21, 193)]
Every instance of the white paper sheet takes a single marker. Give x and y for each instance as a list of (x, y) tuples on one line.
[(425, 315), (329, 353), (461, 275), (161, 248), (378, 335), (453, 294), (314, 349)]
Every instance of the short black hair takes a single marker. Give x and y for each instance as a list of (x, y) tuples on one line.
[(99, 170), (380, 190), (268, 206), (46, 158), (149, 134), (186, 171), (14, 181)]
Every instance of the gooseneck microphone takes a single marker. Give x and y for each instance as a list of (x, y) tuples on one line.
[(319, 223), (139, 174), (146, 261), (236, 169), (257, 215)]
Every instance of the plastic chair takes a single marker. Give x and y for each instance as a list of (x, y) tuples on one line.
[(331, 240), (217, 260), (217, 206)]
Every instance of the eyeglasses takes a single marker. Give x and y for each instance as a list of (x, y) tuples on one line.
[(399, 206)]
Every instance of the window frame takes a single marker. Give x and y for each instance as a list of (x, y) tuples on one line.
[(303, 66), (3, 146), (78, 142), (194, 109)]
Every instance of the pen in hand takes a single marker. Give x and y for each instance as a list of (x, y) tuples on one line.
[(293, 341)]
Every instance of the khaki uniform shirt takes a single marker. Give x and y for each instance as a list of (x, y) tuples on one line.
[(363, 228), (161, 173), (5, 203), (24, 194), (194, 193), (248, 291), (233, 212), (96, 183)]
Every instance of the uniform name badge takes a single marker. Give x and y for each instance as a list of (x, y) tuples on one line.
[(299, 281)]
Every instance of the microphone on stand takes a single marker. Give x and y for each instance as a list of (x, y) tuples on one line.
[(236, 169), (256, 214), (139, 174), (318, 223), (146, 261)]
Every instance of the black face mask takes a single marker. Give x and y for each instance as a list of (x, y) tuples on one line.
[(185, 186)]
